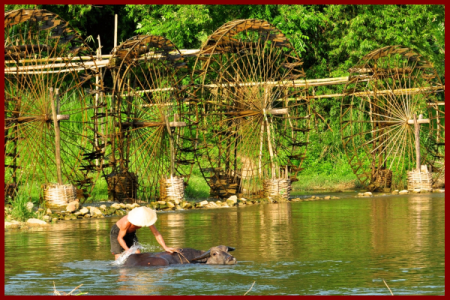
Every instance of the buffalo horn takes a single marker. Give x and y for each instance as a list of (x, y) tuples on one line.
[(204, 255)]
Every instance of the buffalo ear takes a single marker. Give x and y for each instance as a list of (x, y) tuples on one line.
[(204, 255), (230, 249)]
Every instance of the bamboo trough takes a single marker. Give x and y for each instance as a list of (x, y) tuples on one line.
[(320, 82), (74, 63)]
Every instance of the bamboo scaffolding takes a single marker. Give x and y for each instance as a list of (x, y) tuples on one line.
[(316, 82), (90, 64), (73, 66), (367, 94), (383, 92), (104, 57), (294, 83)]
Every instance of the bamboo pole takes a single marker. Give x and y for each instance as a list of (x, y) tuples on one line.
[(105, 57), (370, 93), (115, 30), (269, 144), (294, 83), (260, 149), (172, 149), (311, 83), (417, 132), (54, 59), (97, 79), (57, 134), (46, 72)]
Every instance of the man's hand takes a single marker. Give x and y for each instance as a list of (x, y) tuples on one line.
[(172, 250)]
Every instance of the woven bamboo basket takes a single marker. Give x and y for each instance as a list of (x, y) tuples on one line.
[(122, 187), (382, 178), (280, 187), (422, 179), (224, 185), (59, 195), (10, 191), (171, 189)]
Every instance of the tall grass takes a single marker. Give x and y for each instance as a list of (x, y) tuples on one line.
[(197, 188), (19, 210)]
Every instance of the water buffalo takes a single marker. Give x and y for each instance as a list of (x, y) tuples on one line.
[(215, 256)]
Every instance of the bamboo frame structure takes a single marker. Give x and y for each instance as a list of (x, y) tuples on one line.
[(377, 114), (243, 68), (149, 127), (233, 102), (46, 114)]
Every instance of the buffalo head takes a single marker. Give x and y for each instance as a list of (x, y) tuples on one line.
[(217, 256)]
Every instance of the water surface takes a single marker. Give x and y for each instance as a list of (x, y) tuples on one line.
[(338, 247)]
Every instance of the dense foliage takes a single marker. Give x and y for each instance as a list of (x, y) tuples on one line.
[(329, 38)]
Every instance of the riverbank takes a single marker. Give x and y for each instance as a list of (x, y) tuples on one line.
[(73, 211), (310, 182)]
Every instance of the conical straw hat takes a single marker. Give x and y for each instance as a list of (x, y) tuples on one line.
[(142, 216)]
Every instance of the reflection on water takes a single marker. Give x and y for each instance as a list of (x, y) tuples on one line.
[(345, 246)]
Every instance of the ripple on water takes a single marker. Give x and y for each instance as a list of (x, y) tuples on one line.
[(339, 247)]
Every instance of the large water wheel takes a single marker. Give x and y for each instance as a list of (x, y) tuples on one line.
[(149, 125), (48, 72), (254, 122), (387, 91)]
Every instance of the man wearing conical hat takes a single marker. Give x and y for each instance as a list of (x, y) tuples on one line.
[(123, 233)]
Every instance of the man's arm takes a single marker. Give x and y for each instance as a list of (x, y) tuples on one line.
[(122, 233), (160, 240)]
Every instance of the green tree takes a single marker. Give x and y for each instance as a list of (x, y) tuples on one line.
[(184, 25)]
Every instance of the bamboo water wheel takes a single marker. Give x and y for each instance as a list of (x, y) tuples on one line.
[(149, 125), (48, 108), (388, 91), (253, 125)]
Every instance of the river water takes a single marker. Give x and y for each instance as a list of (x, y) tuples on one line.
[(348, 246)]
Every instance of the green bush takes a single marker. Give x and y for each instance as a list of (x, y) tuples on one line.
[(19, 210)]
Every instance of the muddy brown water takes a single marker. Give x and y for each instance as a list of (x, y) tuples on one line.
[(346, 246)]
